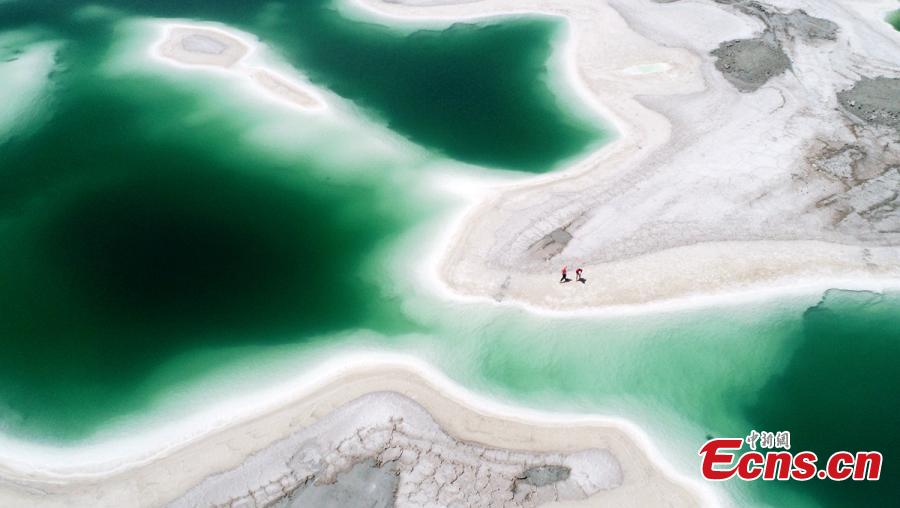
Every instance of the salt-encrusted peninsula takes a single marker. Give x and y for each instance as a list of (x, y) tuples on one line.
[(757, 151)]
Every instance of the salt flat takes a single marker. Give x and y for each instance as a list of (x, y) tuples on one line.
[(711, 187)]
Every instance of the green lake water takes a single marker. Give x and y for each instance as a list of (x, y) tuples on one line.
[(149, 242), (894, 19), (476, 93)]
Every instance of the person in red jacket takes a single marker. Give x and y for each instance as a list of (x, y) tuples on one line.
[(578, 276), (564, 278)]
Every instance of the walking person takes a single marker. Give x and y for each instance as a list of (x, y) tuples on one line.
[(578, 276), (564, 278)]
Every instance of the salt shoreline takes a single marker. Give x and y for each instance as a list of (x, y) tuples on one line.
[(486, 256), (159, 470), (765, 268)]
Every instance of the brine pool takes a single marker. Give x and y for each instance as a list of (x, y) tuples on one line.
[(167, 238)]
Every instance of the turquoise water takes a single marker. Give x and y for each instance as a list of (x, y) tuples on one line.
[(823, 371), (152, 239)]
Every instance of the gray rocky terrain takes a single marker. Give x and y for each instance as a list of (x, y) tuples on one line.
[(750, 63), (385, 450)]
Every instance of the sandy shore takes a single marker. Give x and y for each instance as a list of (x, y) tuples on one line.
[(217, 466), (724, 179)]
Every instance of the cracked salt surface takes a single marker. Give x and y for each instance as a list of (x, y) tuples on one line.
[(385, 449)]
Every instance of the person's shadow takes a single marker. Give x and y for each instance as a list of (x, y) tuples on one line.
[(582, 280), (564, 280)]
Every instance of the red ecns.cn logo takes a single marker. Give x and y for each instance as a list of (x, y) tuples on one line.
[(720, 460)]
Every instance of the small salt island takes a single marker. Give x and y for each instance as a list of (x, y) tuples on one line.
[(200, 46)]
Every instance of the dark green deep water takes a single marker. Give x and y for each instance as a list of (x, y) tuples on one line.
[(132, 234), (838, 392), (129, 234), (117, 251)]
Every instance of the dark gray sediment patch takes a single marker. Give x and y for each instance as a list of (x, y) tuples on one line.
[(809, 28), (791, 24), (551, 244), (874, 101), (750, 63), (540, 476), (367, 484)]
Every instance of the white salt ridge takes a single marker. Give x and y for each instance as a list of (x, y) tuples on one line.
[(161, 463), (25, 68)]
